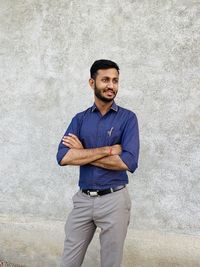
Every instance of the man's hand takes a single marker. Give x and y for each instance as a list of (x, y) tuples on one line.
[(72, 141), (116, 150)]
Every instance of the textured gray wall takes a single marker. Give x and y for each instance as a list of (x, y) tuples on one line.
[(47, 48)]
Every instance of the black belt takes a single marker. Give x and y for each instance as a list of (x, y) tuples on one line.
[(96, 193)]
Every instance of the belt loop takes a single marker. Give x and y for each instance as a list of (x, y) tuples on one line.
[(111, 190)]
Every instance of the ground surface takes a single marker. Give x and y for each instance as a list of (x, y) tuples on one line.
[(6, 264)]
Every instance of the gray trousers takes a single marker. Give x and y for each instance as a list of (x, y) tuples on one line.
[(110, 213)]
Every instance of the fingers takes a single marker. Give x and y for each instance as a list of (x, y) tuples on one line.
[(118, 146), (116, 149), (67, 143), (69, 140), (72, 141), (74, 137)]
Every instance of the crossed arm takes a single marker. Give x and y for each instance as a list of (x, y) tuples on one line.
[(105, 157)]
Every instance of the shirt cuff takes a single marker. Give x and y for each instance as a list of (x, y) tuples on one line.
[(61, 154), (129, 160)]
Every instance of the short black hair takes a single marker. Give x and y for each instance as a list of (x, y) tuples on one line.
[(102, 64)]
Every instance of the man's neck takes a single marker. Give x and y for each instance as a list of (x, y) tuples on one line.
[(103, 107)]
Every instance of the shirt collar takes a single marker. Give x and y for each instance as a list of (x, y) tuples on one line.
[(113, 107)]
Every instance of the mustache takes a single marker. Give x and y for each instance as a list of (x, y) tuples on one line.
[(106, 90)]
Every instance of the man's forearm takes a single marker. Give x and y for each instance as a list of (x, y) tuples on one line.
[(110, 163), (84, 156)]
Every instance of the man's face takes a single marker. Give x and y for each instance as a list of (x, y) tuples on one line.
[(106, 84)]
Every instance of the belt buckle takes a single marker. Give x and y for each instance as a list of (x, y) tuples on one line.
[(93, 193)]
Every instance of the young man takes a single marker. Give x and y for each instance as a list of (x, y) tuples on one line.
[(104, 141)]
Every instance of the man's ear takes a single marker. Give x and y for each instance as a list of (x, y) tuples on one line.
[(91, 83)]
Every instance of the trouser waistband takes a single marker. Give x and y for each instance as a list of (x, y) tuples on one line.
[(96, 193)]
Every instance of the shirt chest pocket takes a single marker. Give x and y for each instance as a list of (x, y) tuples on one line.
[(104, 137), (113, 137)]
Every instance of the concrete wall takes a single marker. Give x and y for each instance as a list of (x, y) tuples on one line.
[(47, 48)]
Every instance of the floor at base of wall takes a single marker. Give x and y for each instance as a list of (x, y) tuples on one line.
[(7, 264), (35, 242)]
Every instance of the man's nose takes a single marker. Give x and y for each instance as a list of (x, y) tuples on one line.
[(110, 84)]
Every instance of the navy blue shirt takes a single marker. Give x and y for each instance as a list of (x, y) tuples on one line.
[(117, 126)]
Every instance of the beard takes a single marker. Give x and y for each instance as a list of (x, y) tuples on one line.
[(99, 94)]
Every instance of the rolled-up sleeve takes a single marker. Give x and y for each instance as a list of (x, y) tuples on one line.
[(130, 143), (62, 149)]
